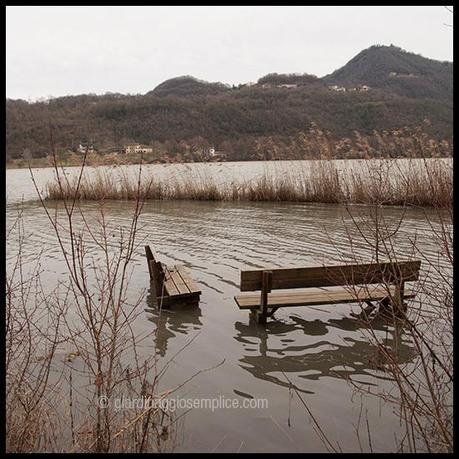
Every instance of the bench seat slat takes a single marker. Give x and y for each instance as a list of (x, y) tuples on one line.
[(172, 284), (178, 281), (184, 274), (169, 284), (319, 296)]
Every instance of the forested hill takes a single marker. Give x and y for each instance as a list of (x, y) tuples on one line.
[(382, 88), (392, 69)]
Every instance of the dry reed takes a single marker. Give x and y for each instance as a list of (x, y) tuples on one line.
[(418, 182)]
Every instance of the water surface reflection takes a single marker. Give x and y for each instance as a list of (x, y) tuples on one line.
[(180, 319), (324, 357)]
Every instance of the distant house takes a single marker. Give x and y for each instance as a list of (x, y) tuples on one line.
[(288, 86), (84, 147), (361, 88), (137, 148), (211, 154), (401, 75), (206, 153), (337, 88)]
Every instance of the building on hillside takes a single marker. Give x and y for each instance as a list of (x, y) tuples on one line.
[(136, 148), (84, 147), (337, 88), (211, 154), (288, 86), (401, 75), (207, 153)]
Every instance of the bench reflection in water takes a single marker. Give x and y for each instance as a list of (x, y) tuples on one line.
[(170, 322), (344, 356)]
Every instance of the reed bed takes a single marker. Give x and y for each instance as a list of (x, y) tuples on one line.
[(416, 182)]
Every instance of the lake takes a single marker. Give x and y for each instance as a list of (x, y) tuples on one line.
[(317, 348)]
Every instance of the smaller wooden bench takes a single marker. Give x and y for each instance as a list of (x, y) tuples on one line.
[(354, 283), (172, 284)]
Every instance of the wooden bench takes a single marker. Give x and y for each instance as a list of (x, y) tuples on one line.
[(354, 283), (172, 284)]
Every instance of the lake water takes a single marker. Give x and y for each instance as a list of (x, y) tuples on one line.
[(317, 348)]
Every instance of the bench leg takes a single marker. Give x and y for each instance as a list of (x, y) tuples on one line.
[(262, 313), (365, 312), (394, 306), (258, 316), (261, 318), (396, 303), (399, 305)]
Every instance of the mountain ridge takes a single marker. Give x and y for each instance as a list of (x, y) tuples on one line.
[(361, 96)]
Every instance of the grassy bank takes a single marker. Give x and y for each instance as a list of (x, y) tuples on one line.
[(417, 182)]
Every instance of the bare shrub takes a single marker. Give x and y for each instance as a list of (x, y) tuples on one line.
[(73, 351)]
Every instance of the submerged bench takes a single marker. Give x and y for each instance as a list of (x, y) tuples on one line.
[(172, 284), (354, 283)]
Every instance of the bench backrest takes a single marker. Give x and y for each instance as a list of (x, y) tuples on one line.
[(329, 276), (155, 269)]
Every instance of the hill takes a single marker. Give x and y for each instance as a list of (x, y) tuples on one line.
[(185, 86), (393, 69), (184, 112)]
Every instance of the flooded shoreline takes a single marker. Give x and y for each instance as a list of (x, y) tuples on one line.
[(317, 348), (323, 351)]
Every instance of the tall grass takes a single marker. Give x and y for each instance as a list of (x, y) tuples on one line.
[(417, 182)]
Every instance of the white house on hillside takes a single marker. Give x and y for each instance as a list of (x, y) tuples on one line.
[(84, 147), (337, 88), (137, 148)]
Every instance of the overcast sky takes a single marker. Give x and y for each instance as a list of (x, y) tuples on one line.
[(56, 51)]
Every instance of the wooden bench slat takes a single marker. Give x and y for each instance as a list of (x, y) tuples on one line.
[(172, 284), (169, 284), (333, 275), (172, 291), (192, 286), (315, 297), (179, 283)]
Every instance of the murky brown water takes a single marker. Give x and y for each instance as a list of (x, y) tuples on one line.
[(316, 347)]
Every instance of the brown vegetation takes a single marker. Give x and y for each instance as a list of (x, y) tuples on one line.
[(415, 182)]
